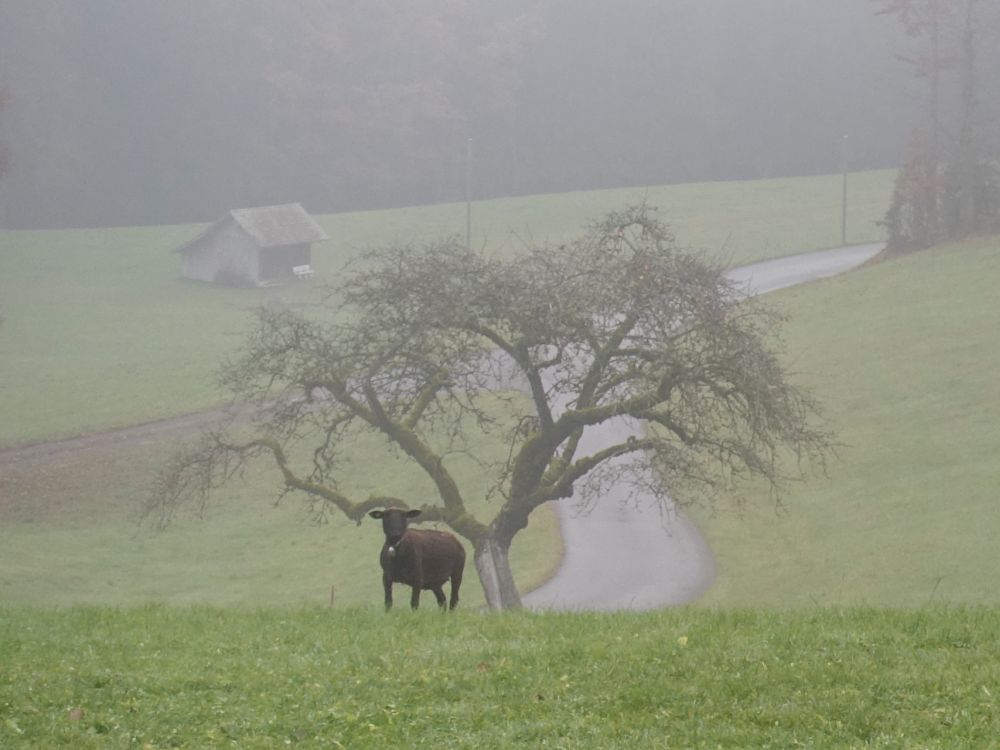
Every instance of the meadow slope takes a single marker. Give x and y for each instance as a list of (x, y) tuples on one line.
[(904, 355), (100, 332)]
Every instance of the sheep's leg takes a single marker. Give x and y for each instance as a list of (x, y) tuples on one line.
[(387, 585), (417, 581), (439, 595), (456, 581)]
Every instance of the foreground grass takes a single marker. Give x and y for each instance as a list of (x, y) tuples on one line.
[(158, 677), (100, 332), (905, 356)]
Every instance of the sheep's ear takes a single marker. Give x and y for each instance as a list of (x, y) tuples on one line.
[(376, 514), (413, 513)]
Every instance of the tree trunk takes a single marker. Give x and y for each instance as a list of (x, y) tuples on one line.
[(933, 199), (965, 212), (492, 558)]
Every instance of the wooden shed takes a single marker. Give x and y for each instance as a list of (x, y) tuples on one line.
[(253, 247)]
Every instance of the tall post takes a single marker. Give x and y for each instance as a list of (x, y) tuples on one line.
[(843, 196), (468, 195)]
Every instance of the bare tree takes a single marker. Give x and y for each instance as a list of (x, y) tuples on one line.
[(4, 151), (930, 22), (948, 186), (621, 324), (972, 203)]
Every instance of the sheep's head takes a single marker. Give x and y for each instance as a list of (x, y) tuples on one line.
[(394, 523)]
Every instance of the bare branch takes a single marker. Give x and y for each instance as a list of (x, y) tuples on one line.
[(424, 399), (563, 485)]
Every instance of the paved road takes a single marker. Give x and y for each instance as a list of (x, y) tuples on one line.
[(620, 558)]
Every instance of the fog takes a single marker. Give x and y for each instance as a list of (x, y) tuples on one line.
[(144, 111)]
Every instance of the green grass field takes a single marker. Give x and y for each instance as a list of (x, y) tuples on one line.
[(905, 355), (739, 222), (99, 330), (69, 533), (313, 678)]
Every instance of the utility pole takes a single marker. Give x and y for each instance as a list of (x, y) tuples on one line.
[(843, 196), (468, 195)]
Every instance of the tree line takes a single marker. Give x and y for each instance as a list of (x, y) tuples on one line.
[(949, 184), (150, 112)]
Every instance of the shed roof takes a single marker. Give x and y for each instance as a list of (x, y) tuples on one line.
[(269, 226)]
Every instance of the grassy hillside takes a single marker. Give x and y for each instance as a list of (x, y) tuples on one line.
[(314, 678), (99, 330), (68, 533), (738, 221), (905, 355)]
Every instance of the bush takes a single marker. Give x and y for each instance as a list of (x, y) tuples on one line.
[(912, 218)]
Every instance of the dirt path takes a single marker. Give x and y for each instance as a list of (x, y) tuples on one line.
[(156, 431)]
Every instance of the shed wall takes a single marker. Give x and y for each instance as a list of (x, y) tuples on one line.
[(227, 255), (276, 263)]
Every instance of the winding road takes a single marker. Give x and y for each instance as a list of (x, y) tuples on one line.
[(620, 558)]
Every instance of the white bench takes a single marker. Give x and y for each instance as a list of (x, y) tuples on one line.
[(303, 272)]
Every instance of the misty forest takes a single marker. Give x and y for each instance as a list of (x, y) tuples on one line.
[(150, 113), (671, 323)]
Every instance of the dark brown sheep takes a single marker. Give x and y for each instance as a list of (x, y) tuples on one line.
[(421, 559)]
